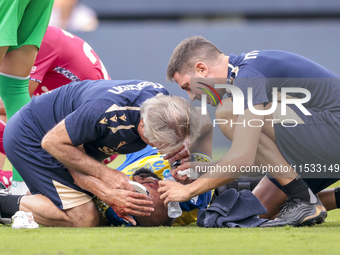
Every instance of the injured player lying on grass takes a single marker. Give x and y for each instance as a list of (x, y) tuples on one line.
[(159, 217)]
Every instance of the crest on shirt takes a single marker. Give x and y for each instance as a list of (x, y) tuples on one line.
[(123, 117), (103, 121), (121, 144)]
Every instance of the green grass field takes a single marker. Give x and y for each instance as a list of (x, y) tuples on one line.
[(321, 239)]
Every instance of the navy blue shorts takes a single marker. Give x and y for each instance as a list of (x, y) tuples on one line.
[(42, 173), (315, 185), (312, 147)]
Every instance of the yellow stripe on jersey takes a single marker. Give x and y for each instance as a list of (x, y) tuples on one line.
[(154, 163)]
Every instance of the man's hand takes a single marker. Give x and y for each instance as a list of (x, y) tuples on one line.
[(182, 179), (182, 154), (173, 192), (123, 202), (126, 203), (115, 179)]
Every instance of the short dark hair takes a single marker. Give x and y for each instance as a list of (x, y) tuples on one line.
[(145, 172), (190, 51)]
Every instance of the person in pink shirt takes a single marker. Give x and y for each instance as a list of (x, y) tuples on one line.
[(62, 58)]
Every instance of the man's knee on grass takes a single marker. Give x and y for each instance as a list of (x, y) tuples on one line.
[(46, 213), (85, 215)]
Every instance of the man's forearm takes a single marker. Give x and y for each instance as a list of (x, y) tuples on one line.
[(90, 183), (220, 173), (58, 143), (73, 158)]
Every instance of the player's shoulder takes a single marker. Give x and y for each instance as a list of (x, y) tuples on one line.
[(57, 36), (52, 35), (121, 86)]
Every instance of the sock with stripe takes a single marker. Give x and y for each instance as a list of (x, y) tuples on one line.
[(299, 189), (14, 94)]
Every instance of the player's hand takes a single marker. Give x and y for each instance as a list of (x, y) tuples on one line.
[(184, 179), (116, 180), (173, 192), (183, 154), (126, 203)]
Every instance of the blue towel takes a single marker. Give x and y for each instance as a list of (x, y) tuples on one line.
[(232, 209)]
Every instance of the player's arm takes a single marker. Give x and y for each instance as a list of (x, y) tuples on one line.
[(123, 202), (203, 143), (242, 153), (58, 143)]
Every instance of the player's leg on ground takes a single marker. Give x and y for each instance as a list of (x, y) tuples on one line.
[(302, 207), (330, 198), (269, 154), (270, 197), (267, 192), (273, 198), (47, 214), (295, 188)]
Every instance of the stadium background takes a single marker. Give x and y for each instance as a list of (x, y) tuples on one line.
[(135, 39)]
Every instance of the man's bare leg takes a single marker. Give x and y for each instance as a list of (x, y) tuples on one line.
[(47, 214), (18, 62), (267, 154)]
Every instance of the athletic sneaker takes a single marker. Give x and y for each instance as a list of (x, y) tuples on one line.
[(3, 189), (5, 221), (23, 219), (297, 213), (4, 192)]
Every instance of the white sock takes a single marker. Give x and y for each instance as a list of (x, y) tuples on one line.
[(19, 188)]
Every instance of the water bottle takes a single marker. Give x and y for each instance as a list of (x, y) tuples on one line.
[(174, 209)]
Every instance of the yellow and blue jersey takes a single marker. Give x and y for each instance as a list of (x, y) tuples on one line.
[(149, 158)]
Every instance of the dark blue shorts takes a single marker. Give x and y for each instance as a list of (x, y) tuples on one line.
[(42, 173), (312, 147), (316, 142), (315, 185)]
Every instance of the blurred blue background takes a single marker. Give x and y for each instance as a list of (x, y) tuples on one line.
[(135, 39)]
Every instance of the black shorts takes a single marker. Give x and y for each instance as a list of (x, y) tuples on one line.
[(42, 173)]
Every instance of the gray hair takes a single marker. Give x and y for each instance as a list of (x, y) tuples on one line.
[(188, 53), (168, 121)]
